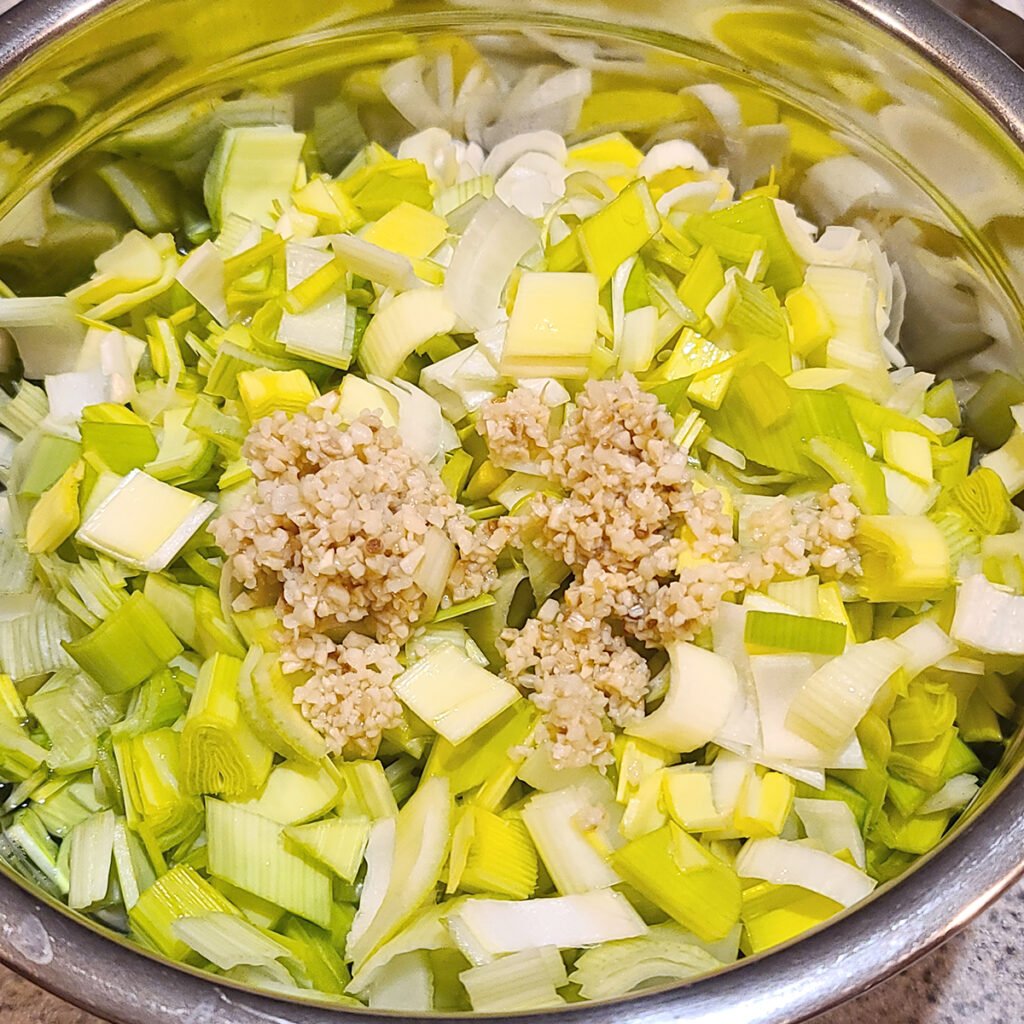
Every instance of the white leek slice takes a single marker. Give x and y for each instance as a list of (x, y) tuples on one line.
[(421, 420), (422, 836), (47, 332), (324, 333), (380, 858), (506, 153), (356, 396), (520, 981), (462, 382), (1008, 463), (729, 776), (667, 952), (532, 184), (202, 276), (116, 355), (400, 327), (702, 693), (832, 702), (227, 940), (485, 929), (557, 823), (777, 680), (453, 694), (988, 618), (958, 792), (497, 238), (427, 930), (144, 522), (831, 824), (405, 984), (538, 771), (926, 644), (92, 851), (303, 260), (785, 862), (70, 393), (666, 156)]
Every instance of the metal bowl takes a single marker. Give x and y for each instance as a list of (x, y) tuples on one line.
[(931, 123)]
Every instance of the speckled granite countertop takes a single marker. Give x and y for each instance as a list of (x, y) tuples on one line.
[(977, 976)]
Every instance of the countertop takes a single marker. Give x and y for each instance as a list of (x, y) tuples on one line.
[(977, 976)]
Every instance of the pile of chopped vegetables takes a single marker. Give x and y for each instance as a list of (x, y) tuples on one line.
[(488, 574)]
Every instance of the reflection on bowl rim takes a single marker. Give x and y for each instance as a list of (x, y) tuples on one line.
[(84, 964)]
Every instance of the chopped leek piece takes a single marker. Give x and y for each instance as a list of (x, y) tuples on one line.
[(471, 764), (453, 694), (619, 231), (55, 516), (144, 522), (181, 893), (794, 633), (685, 880), (831, 824), (985, 501), (368, 785), (773, 914), (266, 697), (526, 980), (408, 230), (499, 856), (26, 410), (846, 465), (252, 169), (553, 327), (904, 558), (128, 647), (339, 843), (408, 321), (33, 644), (92, 851), (1008, 464), (227, 940), (702, 692), (121, 440), (296, 792), (73, 711), (219, 752), (421, 844), (783, 862), (764, 805), (30, 835), (988, 619), (558, 823), (666, 952), (832, 702), (908, 452), (266, 391), (252, 852), (149, 769), (485, 929)]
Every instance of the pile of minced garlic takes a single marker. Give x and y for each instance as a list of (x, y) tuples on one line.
[(334, 530)]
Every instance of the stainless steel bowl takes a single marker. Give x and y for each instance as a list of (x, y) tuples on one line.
[(931, 120)]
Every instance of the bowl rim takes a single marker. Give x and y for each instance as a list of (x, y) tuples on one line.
[(84, 964)]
